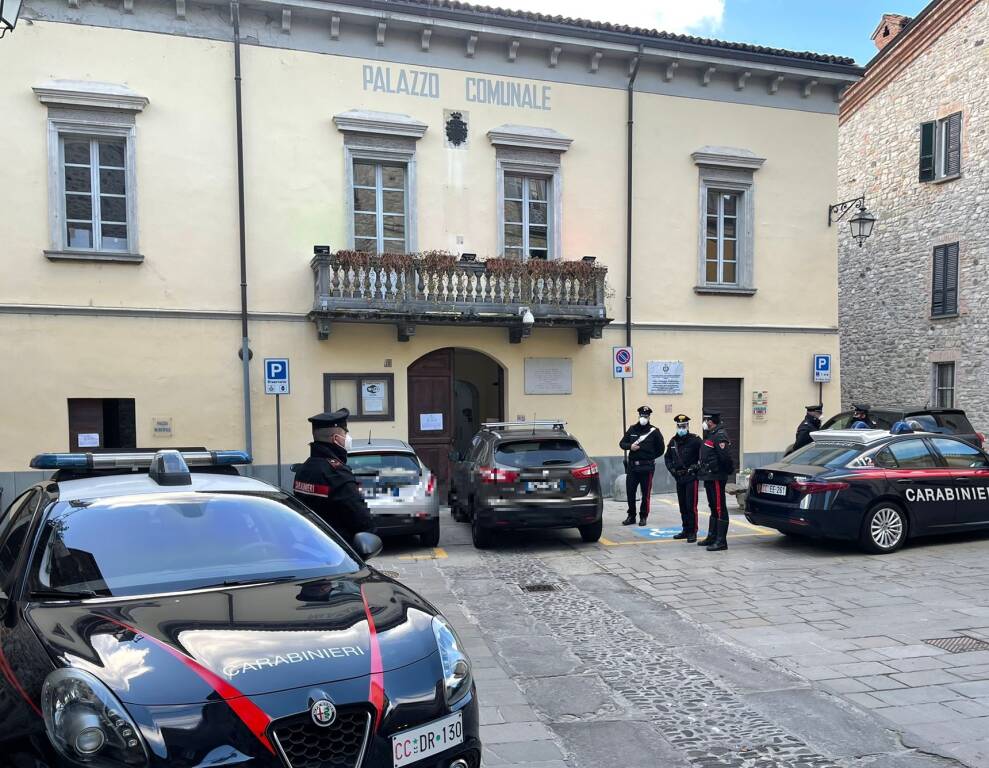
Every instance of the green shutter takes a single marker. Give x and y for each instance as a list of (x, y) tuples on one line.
[(937, 288), (953, 145), (927, 131)]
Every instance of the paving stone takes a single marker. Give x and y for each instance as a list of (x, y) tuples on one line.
[(926, 677), (957, 730), (619, 745), (507, 732), (917, 713), (571, 697), (973, 689), (929, 694), (524, 753), (881, 682), (862, 668)]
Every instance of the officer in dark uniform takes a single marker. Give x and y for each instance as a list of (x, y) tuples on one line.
[(682, 457), (325, 484), (644, 444), (811, 423), (715, 466), (860, 414)]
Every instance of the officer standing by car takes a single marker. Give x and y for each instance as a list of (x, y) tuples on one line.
[(715, 467), (325, 483), (682, 457), (644, 444), (811, 423)]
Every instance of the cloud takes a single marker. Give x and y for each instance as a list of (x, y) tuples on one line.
[(699, 17)]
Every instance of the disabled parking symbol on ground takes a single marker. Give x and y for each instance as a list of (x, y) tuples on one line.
[(659, 533)]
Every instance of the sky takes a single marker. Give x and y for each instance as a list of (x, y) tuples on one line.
[(840, 27)]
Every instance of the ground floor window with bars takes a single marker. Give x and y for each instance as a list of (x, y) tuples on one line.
[(380, 191), (721, 254), (526, 216), (944, 292), (944, 385), (94, 192)]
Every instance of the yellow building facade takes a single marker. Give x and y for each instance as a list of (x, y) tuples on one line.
[(405, 127)]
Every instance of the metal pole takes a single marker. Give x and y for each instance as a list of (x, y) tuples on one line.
[(278, 437), (628, 203), (624, 411), (820, 392), (245, 350)]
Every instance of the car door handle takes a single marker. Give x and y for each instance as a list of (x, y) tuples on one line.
[(904, 482), (963, 479)]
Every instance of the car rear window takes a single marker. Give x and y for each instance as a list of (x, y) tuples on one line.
[(153, 544), (954, 423), (824, 454), (395, 467), (539, 453)]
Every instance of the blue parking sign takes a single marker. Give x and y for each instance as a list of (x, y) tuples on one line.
[(822, 369), (276, 381)]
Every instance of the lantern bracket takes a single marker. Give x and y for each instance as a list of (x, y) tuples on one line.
[(838, 211)]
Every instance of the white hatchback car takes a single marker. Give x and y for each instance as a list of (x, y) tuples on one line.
[(399, 489)]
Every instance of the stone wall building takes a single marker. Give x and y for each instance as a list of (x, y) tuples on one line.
[(914, 140)]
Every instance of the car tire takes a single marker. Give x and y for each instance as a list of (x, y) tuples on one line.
[(884, 529), (431, 538), (479, 535), (591, 533)]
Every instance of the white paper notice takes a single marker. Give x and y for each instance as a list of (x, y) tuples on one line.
[(89, 439), (430, 422), (373, 396)]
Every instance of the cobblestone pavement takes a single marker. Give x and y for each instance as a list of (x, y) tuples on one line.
[(652, 652)]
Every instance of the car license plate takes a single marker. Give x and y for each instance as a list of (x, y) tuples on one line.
[(544, 486), (368, 493), (419, 743), (774, 490)]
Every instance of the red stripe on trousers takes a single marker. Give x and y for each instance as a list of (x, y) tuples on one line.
[(696, 521), (717, 498), (250, 713), (377, 692), (647, 499)]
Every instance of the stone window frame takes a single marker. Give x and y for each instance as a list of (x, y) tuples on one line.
[(936, 388), (728, 169), (381, 137), (90, 110), (946, 249), (531, 151)]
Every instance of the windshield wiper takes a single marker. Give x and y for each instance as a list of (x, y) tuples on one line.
[(65, 594), (259, 580)]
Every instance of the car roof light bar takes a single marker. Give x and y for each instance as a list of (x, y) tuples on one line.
[(860, 436), (95, 461), (169, 468), (554, 423)]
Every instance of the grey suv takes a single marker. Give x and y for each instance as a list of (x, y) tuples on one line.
[(520, 475)]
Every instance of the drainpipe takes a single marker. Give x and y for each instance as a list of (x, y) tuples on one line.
[(245, 351), (628, 218)]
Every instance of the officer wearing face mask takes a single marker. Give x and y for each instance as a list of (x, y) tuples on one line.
[(325, 484), (644, 444), (716, 464), (682, 457)]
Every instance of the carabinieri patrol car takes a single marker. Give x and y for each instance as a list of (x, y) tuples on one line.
[(875, 487), (162, 610)]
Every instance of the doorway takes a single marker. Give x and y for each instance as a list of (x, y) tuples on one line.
[(451, 393), (725, 397)]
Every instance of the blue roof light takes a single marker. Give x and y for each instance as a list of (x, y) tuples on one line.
[(61, 461), (223, 458), (106, 461)]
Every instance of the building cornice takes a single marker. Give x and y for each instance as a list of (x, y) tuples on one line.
[(916, 38), (380, 123), (529, 137), (727, 157), (88, 95)]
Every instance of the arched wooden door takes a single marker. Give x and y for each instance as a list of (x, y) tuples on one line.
[(431, 423)]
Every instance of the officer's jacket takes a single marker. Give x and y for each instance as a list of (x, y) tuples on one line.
[(807, 426), (650, 449), (325, 484), (682, 457), (715, 460)]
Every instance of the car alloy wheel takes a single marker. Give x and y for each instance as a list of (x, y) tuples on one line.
[(886, 529)]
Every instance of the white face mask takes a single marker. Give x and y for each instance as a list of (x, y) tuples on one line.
[(348, 442), (643, 420)]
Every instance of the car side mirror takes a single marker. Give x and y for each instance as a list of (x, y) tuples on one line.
[(368, 545)]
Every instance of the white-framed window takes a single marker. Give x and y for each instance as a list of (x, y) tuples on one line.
[(721, 236), (944, 385), (526, 216), (94, 192), (941, 148), (92, 184), (726, 227), (380, 192)]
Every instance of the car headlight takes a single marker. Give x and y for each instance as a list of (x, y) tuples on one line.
[(456, 665), (87, 724)]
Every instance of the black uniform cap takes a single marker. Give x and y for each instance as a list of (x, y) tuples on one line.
[(645, 409), (681, 419), (712, 416), (818, 408), (327, 419), (860, 407)]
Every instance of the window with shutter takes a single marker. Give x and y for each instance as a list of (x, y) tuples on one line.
[(944, 291), (952, 127), (927, 131)]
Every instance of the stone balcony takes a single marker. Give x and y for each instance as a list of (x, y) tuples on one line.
[(459, 293)]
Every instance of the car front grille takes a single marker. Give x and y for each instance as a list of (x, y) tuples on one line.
[(303, 744)]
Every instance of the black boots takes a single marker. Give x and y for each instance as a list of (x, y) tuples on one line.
[(629, 519), (712, 524), (691, 537), (721, 542), (642, 520)]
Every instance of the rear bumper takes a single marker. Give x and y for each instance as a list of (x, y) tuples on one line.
[(397, 525), (508, 514), (789, 517)]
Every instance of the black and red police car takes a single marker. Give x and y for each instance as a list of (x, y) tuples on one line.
[(876, 487), (154, 615)]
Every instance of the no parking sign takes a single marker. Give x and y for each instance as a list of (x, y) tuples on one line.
[(621, 362)]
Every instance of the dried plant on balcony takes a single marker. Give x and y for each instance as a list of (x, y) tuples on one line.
[(353, 259), (436, 261), (501, 267)]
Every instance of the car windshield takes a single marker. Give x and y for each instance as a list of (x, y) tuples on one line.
[(824, 455), (540, 453), (152, 544), (395, 467)]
